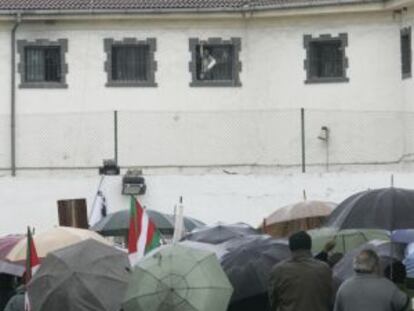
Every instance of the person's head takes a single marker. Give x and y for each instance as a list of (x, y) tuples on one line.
[(300, 241), (367, 261)]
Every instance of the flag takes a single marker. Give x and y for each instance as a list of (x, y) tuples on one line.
[(143, 236), (32, 265), (99, 209), (179, 222)]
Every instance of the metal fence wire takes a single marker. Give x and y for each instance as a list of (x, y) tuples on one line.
[(322, 139)]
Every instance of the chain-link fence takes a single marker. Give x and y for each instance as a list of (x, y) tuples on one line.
[(302, 140)]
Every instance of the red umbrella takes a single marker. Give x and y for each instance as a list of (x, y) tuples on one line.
[(6, 245)]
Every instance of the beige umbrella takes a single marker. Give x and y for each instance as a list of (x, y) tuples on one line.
[(304, 215), (52, 240)]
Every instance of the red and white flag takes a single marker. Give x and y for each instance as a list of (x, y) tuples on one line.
[(32, 265), (143, 236)]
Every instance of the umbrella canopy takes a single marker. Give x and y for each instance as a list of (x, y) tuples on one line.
[(88, 276), (6, 245), (387, 251), (52, 240), (403, 236), (304, 209), (249, 262), (117, 224), (304, 215), (178, 278), (219, 233), (219, 249), (346, 240), (388, 209), (409, 260)]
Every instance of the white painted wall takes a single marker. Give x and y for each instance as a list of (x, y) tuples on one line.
[(272, 57), (177, 125), (228, 198), (5, 95)]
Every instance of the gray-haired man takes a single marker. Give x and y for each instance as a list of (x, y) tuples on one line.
[(367, 291)]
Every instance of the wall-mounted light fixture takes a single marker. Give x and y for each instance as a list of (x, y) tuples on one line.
[(110, 167), (324, 134), (133, 183)]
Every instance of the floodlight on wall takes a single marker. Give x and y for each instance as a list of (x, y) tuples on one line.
[(110, 167), (133, 183), (324, 134)]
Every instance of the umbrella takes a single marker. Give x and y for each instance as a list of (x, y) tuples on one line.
[(52, 240), (218, 249), (117, 224), (346, 240), (178, 278), (403, 236), (249, 262), (388, 208), (304, 215), (88, 276), (387, 251), (6, 245), (220, 233)]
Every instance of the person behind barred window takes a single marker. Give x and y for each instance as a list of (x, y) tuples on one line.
[(207, 63), (367, 290)]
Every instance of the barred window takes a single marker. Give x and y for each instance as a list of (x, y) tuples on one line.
[(406, 52), (215, 62), (130, 62), (325, 58), (42, 63)]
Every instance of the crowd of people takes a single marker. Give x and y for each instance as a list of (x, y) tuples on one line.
[(305, 283)]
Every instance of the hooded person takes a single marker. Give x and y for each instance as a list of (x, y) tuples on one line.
[(301, 283), (367, 290)]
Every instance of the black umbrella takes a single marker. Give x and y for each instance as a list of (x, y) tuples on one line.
[(219, 233), (388, 252), (88, 276), (389, 209), (248, 265), (117, 224)]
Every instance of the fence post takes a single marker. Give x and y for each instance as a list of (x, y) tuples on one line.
[(116, 136), (302, 122)]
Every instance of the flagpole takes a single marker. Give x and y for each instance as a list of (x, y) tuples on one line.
[(164, 241), (96, 195)]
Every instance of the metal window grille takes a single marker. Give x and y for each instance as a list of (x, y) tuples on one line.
[(42, 64), (130, 63), (223, 55), (406, 53), (327, 59)]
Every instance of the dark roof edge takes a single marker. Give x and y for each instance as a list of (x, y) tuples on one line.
[(225, 10)]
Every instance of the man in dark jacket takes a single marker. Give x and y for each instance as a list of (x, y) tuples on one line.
[(368, 291), (301, 283)]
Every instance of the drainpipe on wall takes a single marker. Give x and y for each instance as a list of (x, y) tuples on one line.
[(13, 94)]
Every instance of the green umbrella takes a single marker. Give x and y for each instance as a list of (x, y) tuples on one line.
[(117, 224), (178, 278), (346, 240)]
